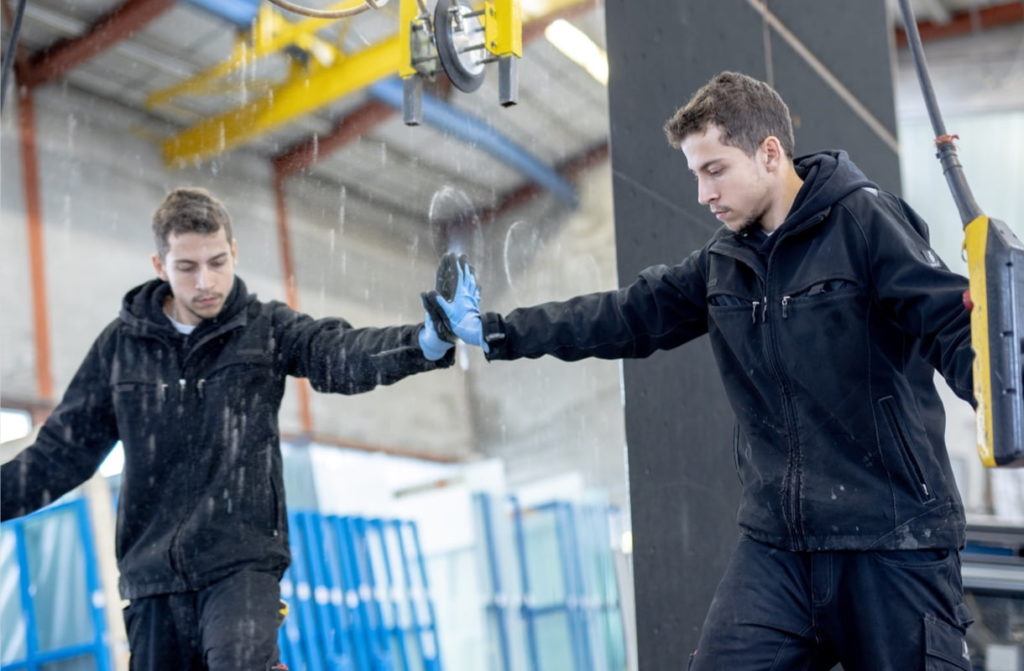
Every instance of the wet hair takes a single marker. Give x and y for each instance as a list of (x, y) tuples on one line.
[(746, 110), (188, 210)]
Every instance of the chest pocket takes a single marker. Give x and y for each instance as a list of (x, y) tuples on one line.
[(237, 374), (133, 396), (819, 297)]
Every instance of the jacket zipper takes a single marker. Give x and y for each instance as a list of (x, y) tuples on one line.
[(792, 479), (791, 511), (174, 552), (763, 304), (177, 553)]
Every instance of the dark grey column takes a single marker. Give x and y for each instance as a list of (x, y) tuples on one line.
[(679, 426)]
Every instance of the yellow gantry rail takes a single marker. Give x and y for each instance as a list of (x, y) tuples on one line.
[(271, 34), (314, 88), (330, 74)]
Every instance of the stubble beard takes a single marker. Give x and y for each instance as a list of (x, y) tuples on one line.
[(753, 223)]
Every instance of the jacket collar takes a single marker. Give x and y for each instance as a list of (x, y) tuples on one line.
[(828, 176), (143, 312)]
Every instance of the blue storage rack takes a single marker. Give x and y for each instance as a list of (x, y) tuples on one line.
[(588, 597), (497, 605), (96, 648), (343, 593)]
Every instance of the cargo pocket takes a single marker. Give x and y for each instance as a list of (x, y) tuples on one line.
[(945, 646)]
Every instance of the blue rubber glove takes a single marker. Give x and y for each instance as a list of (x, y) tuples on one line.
[(433, 346), (463, 311)]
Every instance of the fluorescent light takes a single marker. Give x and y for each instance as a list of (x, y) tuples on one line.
[(579, 48)]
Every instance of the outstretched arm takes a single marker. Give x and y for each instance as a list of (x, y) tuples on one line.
[(70, 446), (665, 307), (339, 358)]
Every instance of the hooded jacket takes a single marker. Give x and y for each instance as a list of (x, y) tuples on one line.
[(202, 493), (825, 333)]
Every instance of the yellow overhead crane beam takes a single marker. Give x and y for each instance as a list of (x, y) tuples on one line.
[(271, 34), (329, 75), (317, 86)]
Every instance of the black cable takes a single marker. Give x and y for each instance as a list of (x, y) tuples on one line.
[(12, 43), (969, 209)]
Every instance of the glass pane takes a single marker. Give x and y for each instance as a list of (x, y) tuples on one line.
[(62, 601), (554, 642), (544, 557), (83, 663), (13, 645)]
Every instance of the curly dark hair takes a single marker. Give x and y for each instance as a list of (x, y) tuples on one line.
[(189, 210), (746, 109)]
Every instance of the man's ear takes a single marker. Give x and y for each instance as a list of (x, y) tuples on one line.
[(772, 153), (158, 266), (234, 251)]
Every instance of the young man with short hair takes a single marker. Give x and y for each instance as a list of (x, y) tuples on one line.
[(190, 379), (828, 313)]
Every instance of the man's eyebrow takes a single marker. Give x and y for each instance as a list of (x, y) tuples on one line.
[(708, 164), (218, 257)]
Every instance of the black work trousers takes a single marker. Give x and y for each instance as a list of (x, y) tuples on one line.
[(869, 611), (230, 625)]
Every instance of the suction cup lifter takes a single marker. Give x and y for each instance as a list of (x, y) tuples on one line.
[(459, 40)]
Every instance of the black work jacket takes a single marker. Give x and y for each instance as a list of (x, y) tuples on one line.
[(202, 493), (825, 334)]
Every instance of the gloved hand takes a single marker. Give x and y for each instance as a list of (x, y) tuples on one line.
[(459, 313), (433, 345)]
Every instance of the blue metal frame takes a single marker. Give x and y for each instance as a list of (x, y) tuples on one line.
[(325, 615), (34, 658), (239, 12), (354, 610), (303, 593), (368, 590), (395, 631), (576, 592), (431, 626), (587, 604), (92, 582), (497, 604), (527, 610), (350, 556), (417, 585), (330, 555), (339, 642)]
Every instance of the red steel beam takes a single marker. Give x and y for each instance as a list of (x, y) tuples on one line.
[(117, 24), (353, 126), (291, 292), (36, 253), (569, 169), (966, 22)]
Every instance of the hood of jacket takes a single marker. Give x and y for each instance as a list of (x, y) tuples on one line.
[(828, 176), (142, 309)]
